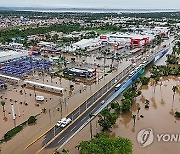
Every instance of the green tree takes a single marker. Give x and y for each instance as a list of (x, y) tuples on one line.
[(126, 105), (107, 119), (32, 119), (103, 144)]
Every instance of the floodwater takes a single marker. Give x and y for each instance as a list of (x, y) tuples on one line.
[(159, 117), (68, 102), (25, 106)]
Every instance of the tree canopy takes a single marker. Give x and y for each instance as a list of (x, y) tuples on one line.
[(103, 144)]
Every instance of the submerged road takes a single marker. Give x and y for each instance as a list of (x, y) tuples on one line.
[(57, 137)]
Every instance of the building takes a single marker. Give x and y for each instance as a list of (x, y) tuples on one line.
[(10, 55), (127, 39), (85, 73)]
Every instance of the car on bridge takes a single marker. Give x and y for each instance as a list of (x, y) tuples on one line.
[(66, 122), (60, 122)]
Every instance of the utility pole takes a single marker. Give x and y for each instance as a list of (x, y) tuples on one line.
[(90, 116)]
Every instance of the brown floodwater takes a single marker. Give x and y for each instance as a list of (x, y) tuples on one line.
[(25, 105), (70, 100), (159, 117)]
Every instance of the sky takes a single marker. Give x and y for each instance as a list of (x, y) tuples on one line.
[(120, 4)]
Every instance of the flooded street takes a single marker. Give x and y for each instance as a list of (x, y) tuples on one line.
[(57, 106), (160, 117)]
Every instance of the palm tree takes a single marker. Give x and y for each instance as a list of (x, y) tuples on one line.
[(3, 104), (174, 89)]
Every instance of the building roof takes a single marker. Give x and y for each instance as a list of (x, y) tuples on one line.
[(8, 55), (9, 77), (44, 85)]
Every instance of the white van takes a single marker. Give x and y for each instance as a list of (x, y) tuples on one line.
[(60, 122), (66, 122)]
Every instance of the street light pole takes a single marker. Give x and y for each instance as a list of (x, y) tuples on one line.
[(90, 116)]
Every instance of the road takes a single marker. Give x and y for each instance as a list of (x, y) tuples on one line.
[(57, 137), (90, 106)]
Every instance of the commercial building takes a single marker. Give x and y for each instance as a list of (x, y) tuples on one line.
[(85, 73), (10, 55)]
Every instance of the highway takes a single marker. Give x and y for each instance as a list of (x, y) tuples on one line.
[(92, 105), (80, 116), (57, 136)]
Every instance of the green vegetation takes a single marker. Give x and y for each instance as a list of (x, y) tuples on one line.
[(72, 78), (11, 133), (107, 118), (104, 144), (129, 95), (144, 80), (177, 114), (58, 73), (7, 35), (31, 120), (172, 59), (102, 31), (165, 70)]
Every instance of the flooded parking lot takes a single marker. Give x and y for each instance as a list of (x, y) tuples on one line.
[(54, 107)]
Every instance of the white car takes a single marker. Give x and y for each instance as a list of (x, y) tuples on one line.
[(66, 122), (60, 122), (102, 102), (39, 98), (131, 74)]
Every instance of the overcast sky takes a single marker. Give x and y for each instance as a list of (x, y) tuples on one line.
[(126, 4)]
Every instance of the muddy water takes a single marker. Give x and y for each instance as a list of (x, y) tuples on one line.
[(45, 120), (159, 117)]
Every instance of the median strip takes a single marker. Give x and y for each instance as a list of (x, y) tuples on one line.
[(74, 110), (77, 117)]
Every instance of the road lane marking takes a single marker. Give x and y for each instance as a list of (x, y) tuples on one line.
[(73, 128), (83, 111), (93, 110), (39, 137), (83, 118), (61, 139)]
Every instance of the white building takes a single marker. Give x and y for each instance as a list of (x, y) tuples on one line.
[(88, 44), (9, 55)]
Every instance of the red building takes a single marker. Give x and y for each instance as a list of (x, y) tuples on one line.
[(137, 41)]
